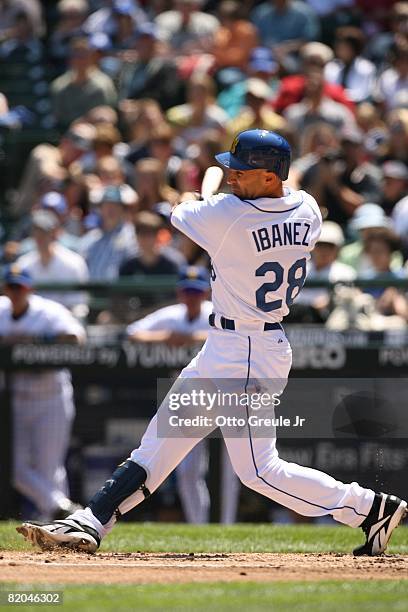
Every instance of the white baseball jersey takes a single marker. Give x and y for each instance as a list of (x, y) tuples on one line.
[(259, 249), (43, 407), (43, 318), (65, 266), (173, 318)]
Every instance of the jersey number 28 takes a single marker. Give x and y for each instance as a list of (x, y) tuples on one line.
[(294, 282)]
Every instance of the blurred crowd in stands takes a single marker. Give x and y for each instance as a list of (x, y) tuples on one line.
[(111, 111)]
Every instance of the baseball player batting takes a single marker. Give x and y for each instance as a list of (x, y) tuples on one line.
[(259, 239)]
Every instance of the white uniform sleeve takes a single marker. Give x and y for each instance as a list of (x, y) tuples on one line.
[(317, 220), (61, 321), (82, 270), (161, 320), (203, 221)]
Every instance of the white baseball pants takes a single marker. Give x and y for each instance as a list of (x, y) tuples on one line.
[(41, 432), (264, 355)]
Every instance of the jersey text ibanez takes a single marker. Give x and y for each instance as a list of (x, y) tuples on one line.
[(259, 249)]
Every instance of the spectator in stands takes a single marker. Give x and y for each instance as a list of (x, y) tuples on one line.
[(47, 166), (256, 113), (313, 55), (71, 16), (124, 25), (82, 87), (186, 29), (324, 266), (326, 7), (376, 132), (152, 75), (319, 142), (106, 138), (102, 115), (200, 112), (105, 144), (186, 324), (105, 19), (199, 157), (105, 248), (344, 181), (140, 118), (374, 13), (400, 222), (57, 204), (108, 171), (397, 145), (285, 25), (392, 85), (261, 65), (368, 220), (349, 69), (9, 9), (151, 185), (379, 47), (316, 107), (379, 249), (161, 147), (332, 14), (42, 400), (395, 184), (235, 39), (150, 258), (23, 70), (51, 262)]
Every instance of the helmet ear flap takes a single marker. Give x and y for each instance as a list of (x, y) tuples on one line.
[(282, 168)]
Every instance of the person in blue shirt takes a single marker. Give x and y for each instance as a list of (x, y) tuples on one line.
[(285, 24)]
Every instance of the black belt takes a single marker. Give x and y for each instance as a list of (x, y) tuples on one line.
[(230, 323)]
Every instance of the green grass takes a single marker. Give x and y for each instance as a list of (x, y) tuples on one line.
[(324, 596), (163, 537), (329, 596)]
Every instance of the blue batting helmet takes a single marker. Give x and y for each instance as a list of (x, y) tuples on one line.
[(258, 149)]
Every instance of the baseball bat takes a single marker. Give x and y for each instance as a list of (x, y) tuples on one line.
[(211, 182)]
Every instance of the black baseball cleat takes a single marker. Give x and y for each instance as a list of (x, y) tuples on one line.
[(67, 533), (385, 515)]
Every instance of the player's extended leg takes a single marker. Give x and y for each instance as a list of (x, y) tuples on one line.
[(314, 493), (304, 490)]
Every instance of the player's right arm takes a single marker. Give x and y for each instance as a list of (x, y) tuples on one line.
[(156, 327), (62, 325), (159, 327), (203, 221), (150, 336), (171, 338)]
